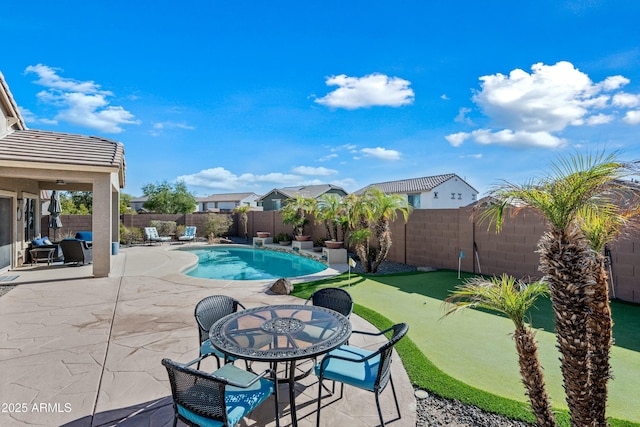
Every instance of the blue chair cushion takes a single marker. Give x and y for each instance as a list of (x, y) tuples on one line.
[(358, 374), (84, 235), (207, 348), (239, 401), (38, 242)]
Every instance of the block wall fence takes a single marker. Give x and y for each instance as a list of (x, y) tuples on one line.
[(431, 238)]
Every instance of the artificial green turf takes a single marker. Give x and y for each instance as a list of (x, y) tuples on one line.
[(476, 347)]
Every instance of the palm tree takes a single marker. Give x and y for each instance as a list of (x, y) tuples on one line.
[(330, 209), (244, 218), (578, 185), (514, 299), (295, 212), (602, 228), (384, 210), (359, 218)]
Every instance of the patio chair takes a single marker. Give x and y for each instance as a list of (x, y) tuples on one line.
[(208, 311), (151, 235), (189, 234), (365, 369), (334, 298), (76, 251), (221, 398)]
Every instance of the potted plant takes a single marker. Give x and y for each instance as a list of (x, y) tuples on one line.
[(294, 213), (283, 238), (333, 244), (263, 234), (318, 245)]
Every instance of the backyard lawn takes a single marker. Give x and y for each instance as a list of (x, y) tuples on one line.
[(476, 347)]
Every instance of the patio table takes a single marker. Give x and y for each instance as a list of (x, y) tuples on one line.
[(281, 333)]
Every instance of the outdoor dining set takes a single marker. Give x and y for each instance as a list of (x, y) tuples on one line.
[(281, 339)]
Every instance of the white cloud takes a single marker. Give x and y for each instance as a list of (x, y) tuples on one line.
[(462, 116), (599, 119), (632, 117), (327, 157), (220, 178), (159, 127), (624, 99), (80, 103), (456, 139), (444, 97), (309, 170), (471, 156), (368, 91), (508, 137), (381, 153), (531, 108)]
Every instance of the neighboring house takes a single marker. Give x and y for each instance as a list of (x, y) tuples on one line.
[(276, 198), (431, 192), (136, 204), (35, 160), (226, 202)]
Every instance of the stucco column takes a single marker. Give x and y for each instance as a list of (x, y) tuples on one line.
[(102, 211)]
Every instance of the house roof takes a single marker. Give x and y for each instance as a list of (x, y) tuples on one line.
[(311, 191), (413, 185), (225, 197), (8, 104)]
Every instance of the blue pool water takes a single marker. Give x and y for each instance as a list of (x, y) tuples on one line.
[(250, 264)]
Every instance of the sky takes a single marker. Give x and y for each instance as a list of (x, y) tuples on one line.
[(247, 96)]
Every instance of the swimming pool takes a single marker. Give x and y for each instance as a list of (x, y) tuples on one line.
[(231, 263)]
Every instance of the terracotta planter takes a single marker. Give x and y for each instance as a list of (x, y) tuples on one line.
[(263, 234), (303, 238), (333, 245)]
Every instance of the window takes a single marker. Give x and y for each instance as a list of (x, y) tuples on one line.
[(29, 219), (277, 204), (473, 196), (459, 196), (453, 196), (435, 194), (414, 200)]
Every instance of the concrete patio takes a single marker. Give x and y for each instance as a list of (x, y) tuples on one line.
[(79, 351)]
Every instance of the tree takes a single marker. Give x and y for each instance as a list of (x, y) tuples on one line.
[(385, 208), (76, 203), (331, 211), (512, 298), (169, 198), (244, 219), (577, 187), (125, 203), (295, 211), (371, 214)]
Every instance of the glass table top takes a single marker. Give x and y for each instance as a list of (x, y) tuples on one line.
[(280, 332)]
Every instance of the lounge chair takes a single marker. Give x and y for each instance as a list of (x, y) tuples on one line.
[(189, 234), (76, 251), (151, 235)]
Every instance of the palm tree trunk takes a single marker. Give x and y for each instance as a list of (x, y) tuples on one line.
[(533, 377), (566, 260), (600, 342), (383, 233)]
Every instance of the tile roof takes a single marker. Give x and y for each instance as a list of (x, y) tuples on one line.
[(225, 197), (63, 148), (413, 185), (311, 191)]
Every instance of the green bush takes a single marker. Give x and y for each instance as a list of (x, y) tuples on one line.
[(165, 228), (217, 225), (129, 236)]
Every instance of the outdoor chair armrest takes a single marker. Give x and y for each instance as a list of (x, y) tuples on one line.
[(374, 334), (250, 383), (348, 359)]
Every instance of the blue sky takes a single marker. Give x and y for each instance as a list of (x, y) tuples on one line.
[(246, 96)]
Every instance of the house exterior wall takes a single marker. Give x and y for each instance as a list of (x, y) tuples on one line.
[(463, 195)]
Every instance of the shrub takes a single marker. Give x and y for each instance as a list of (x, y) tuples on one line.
[(164, 228), (130, 235), (217, 225)]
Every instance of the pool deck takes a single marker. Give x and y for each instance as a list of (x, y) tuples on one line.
[(81, 351)]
